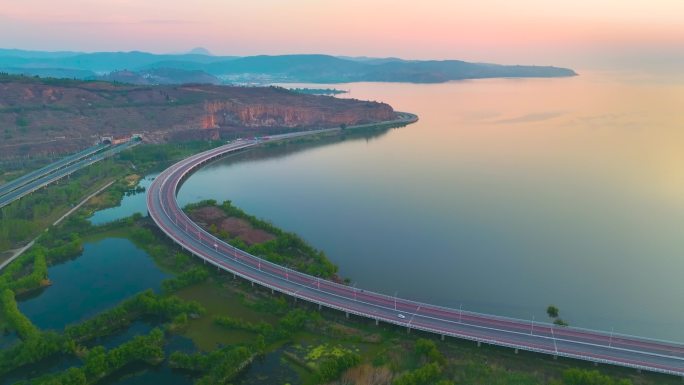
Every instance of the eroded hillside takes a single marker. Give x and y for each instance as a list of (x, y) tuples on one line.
[(52, 116)]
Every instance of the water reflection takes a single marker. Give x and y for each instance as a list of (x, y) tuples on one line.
[(130, 204), (97, 280), (506, 196)]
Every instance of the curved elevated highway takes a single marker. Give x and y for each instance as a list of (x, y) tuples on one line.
[(596, 346)]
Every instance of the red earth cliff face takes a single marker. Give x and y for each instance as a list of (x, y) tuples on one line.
[(53, 117), (231, 113)]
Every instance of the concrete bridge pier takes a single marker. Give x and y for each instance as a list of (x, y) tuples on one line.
[(555, 357), (320, 306), (442, 337), (252, 283), (377, 322), (479, 344), (408, 330), (272, 292), (516, 350)]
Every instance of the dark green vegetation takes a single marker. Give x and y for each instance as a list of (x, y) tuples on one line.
[(292, 68), (98, 363), (244, 324), (36, 345), (148, 157), (286, 249), (554, 313), (27, 217), (219, 366)]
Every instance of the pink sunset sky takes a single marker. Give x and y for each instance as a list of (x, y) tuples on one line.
[(564, 33)]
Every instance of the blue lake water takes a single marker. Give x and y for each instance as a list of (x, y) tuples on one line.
[(109, 271), (508, 195), (130, 204)]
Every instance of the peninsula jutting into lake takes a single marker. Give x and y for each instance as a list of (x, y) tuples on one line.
[(341, 193)]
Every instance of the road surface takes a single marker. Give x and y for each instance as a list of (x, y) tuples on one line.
[(50, 168), (596, 346), (40, 182)]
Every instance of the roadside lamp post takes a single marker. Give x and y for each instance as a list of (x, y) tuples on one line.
[(532, 326), (610, 341), (395, 300)]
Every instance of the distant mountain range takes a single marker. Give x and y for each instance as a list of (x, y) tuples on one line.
[(199, 66)]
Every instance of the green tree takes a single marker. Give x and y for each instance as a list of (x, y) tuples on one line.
[(560, 322), (552, 311), (428, 349), (590, 377), (332, 367), (16, 320), (424, 375)]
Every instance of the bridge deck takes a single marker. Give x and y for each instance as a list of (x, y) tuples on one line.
[(630, 351)]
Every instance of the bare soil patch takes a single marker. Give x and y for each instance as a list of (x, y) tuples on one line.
[(235, 227)]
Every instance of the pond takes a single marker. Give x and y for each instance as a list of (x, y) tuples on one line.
[(108, 271)]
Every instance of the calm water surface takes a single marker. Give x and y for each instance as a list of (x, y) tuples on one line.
[(109, 271), (100, 278), (130, 204), (507, 196)]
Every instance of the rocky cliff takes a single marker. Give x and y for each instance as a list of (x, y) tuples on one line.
[(51, 117), (278, 114)]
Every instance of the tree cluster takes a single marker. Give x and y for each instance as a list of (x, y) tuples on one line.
[(187, 278), (332, 367), (99, 363), (590, 377), (219, 366), (431, 368), (553, 313)]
